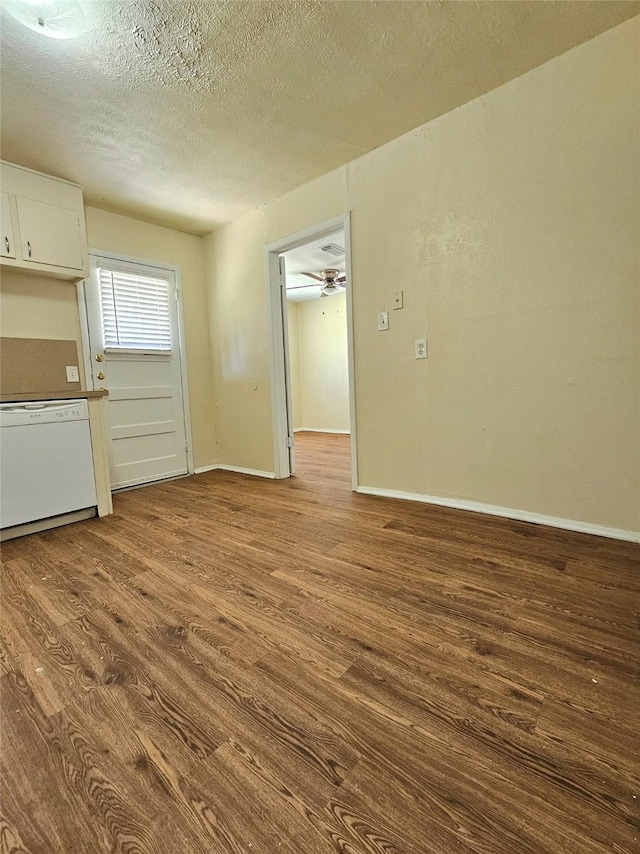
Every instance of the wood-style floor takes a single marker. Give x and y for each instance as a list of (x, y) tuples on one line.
[(230, 665)]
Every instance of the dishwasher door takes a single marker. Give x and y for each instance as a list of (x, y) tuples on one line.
[(46, 463)]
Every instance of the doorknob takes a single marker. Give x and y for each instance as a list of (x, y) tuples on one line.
[(99, 357), (100, 376)]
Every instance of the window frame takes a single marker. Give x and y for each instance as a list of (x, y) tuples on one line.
[(141, 270)]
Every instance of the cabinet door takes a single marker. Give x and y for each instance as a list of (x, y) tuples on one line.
[(49, 234), (7, 247)]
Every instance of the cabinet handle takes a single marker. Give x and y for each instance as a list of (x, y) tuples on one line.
[(29, 248), (7, 245)]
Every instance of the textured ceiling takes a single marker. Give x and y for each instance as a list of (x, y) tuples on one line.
[(190, 112)]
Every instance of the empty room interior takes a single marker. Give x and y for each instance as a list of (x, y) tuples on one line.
[(320, 427)]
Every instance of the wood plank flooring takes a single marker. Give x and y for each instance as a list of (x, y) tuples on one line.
[(230, 665)]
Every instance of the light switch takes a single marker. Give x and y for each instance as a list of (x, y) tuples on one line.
[(397, 301), (383, 321), (72, 374)]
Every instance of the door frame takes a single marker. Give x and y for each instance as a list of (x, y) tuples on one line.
[(280, 393), (86, 348)]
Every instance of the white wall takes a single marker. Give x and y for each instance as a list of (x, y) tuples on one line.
[(323, 385), (512, 226)]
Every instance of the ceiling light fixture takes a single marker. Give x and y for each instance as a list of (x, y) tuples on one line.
[(56, 19), (329, 285)]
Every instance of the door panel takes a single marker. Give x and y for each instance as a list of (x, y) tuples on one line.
[(147, 434), (49, 234), (7, 246), (137, 409)]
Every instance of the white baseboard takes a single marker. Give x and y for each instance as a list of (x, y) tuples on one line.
[(319, 430), (254, 472), (508, 513), (238, 469)]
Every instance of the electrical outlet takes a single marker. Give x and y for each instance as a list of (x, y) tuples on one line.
[(72, 374), (421, 348), (383, 321)]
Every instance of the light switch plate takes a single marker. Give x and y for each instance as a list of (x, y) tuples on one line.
[(398, 300), (72, 374), (383, 321)]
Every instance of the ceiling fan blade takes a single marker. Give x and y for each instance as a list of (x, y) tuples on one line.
[(298, 287), (341, 280), (313, 276)]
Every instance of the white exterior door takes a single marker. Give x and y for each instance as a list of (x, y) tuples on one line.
[(136, 353)]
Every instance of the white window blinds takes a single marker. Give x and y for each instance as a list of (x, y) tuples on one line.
[(135, 310)]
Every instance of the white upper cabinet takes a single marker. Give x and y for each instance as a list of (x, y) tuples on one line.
[(43, 223), (49, 234), (7, 246)]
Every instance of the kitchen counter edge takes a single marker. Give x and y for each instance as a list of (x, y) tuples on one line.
[(75, 394)]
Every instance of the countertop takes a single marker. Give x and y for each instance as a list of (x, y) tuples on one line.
[(74, 394)]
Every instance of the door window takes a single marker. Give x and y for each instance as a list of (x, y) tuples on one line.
[(134, 310)]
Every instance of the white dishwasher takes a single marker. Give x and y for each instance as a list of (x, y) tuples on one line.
[(46, 465)]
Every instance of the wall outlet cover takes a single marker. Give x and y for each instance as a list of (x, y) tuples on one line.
[(421, 348), (73, 375)]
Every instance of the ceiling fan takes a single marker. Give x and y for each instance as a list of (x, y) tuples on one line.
[(332, 281)]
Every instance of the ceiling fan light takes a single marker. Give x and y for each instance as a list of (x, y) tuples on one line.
[(330, 286), (55, 19), (329, 290)]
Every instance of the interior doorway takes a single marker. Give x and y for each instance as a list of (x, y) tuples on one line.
[(312, 343), (316, 292)]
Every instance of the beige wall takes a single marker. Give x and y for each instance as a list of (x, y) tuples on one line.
[(512, 226), (114, 233), (38, 307), (323, 364), (240, 344), (294, 363)]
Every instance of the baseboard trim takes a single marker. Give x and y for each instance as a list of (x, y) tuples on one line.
[(320, 430), (255, 472), (507, 513), (238, 469)]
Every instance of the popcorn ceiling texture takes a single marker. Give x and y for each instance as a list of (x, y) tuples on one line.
[(190, 113)]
